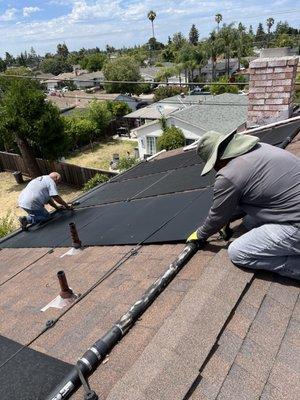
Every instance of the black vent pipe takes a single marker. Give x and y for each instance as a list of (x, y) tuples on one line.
[(93, 357)]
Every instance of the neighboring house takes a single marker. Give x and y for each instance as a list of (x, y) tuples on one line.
[(51, 84), (152, 112), (220, 68), (224, 113), (81, 99), (149, 74), (81, 78)]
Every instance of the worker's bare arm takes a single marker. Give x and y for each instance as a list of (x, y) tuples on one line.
[(53, 204), (61, 201)]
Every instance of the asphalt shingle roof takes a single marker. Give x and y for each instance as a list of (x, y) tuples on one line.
[(218, 117), (216, 332)]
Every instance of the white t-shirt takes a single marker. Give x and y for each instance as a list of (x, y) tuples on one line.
[(37, 193)]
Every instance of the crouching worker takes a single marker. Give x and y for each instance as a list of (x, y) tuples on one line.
[(37, 193), (264, 182)]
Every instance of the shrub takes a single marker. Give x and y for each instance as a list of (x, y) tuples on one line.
[(219, 87), (168, 91), (7, 225), (126, 162), (95, 181), (80, 131), (172, 138)]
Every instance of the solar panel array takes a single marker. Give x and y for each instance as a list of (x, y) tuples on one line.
[(154, 202)]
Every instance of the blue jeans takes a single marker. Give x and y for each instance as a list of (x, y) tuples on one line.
[(272, 247), (35, 216)]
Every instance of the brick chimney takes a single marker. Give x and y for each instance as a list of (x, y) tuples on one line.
[(271, 87)]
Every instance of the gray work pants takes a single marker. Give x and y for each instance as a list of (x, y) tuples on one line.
[(272, 247)]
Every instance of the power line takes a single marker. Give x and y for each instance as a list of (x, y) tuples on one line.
[(103, 82)]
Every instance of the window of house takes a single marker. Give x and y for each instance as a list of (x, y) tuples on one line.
[(189, 141), (151, 144)]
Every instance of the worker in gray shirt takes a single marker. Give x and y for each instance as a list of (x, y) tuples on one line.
[(263, 182), (37, 193)]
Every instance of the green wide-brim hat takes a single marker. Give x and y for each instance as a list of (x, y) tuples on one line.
[(230, 146)]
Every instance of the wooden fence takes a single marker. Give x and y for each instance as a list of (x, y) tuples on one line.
[(71, 174)]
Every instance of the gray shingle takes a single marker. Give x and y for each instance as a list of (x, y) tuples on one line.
[(216, 114)]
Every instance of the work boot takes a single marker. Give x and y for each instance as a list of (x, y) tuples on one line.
[(23, 223)]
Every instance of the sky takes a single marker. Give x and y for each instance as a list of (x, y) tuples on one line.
[(90, 23)]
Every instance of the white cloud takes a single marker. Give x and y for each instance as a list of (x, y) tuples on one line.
[(8, 15), (97, 10), (91, 23), (27, 11)]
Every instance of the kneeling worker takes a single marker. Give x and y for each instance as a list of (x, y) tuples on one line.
[(263, 182), (37, 193)]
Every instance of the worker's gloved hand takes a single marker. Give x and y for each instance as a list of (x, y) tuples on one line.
[(226, 233), (193, 238)]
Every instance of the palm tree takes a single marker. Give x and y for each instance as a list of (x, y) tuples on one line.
[(228, 38), (270, 23), (218, 19), (151, 16)]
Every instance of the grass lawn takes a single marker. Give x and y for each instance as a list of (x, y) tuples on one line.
[(102, 153), (10, 191)]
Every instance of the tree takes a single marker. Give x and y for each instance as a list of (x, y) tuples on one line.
[(62, 50), (93, 62), (151, 16), (270, 23), (219, 88), (79, 130), (260, 35), (55, 66), (228, 37), (100, 115), (168, 91), (32, 122), (171, 138), (2, 65), (178, 40), (194, 35), (218, 19), (9, 59), (123, 68), (118, 108), (243, 44), (213, 49), (251, 30), (164, 74)]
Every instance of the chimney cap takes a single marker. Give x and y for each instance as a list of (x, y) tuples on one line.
[(275, 52)]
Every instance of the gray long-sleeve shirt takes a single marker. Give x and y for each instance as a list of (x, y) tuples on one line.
[(264, 183)]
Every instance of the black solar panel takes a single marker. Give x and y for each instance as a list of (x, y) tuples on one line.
[(118, 223), (276, 135), (120, 191), (165, 164)]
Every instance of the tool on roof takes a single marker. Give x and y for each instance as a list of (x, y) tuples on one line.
[(226, 233), (93, 357)]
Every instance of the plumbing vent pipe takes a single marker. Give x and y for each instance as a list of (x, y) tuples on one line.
[(94, 356), (74, 235), (65, 291)]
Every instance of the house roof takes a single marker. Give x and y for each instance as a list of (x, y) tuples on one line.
[(214, 116), (216, 332), (187, 100), (152, 112)]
